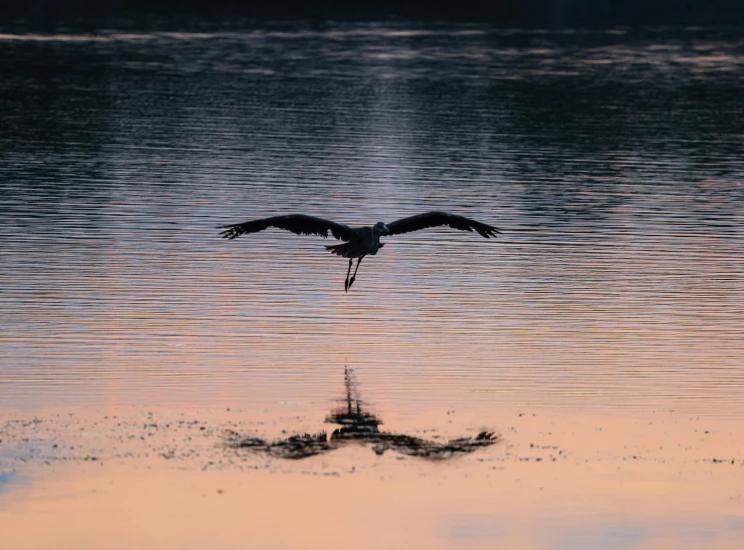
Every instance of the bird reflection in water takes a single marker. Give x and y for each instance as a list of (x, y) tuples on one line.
[(360, 427)]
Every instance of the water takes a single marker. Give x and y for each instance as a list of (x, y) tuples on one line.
[(605, 323), (611, 161)]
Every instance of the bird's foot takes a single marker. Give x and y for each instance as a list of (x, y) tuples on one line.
[(346, 285), (351, 281)]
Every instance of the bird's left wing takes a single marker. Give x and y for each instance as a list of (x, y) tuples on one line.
[(435, 219), (301, 224)]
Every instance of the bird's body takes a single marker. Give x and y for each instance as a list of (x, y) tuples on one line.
[(364, 241), (358, 241)]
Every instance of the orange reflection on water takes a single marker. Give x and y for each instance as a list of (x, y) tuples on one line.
[(554, 481)]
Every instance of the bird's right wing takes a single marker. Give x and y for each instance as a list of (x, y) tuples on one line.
[(435, 219), (300, 224)]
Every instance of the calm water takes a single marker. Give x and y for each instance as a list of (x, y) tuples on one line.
[(611, 161), (599, 338)]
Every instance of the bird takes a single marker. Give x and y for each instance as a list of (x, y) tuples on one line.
[(358, 241)]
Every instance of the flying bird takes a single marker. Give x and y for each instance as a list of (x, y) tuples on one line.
[(359, 241)]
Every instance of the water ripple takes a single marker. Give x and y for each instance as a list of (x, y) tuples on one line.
[(611, 162)]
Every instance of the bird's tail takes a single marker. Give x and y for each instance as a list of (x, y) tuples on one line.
[(339, 249), (343, 249)]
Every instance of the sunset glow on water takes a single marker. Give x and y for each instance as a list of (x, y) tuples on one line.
[(598, 338)]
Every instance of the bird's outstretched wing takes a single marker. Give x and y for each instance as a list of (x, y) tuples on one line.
[(300, 224), (435, 219)]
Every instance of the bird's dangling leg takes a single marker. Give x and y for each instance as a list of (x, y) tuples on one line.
[(347, 284), (351, 281)]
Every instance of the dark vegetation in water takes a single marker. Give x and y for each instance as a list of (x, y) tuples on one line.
[(524, 13), (360, 427)]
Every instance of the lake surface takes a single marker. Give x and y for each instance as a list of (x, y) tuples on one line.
[(611, 161)]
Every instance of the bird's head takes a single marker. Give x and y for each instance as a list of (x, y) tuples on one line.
[(381, 229)]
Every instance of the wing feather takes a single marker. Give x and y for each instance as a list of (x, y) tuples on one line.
[(436, 219), (300, 224)]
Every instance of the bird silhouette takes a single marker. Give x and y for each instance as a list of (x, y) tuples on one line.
[(358, 241)]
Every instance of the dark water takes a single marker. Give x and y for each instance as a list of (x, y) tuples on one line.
[(612, 161)]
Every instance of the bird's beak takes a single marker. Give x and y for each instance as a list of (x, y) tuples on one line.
[(387, 230)]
